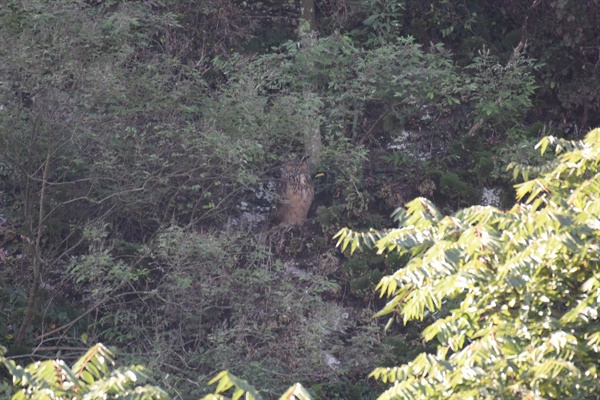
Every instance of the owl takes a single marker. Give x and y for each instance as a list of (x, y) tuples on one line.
[(296, 191)]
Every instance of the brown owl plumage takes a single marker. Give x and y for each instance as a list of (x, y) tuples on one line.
[(296, 192)]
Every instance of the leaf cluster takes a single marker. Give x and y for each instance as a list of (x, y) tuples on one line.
[(90, 377), (525, 281), (226, 381)]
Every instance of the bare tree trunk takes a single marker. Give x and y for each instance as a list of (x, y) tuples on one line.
[(308, 14), (312, 129)]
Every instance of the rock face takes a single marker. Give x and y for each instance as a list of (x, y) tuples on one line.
[(491, 197), (297, 193)]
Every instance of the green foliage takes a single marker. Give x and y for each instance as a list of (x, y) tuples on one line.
[(90, 377), (560, 39), (122, 152), (452, 186), (501, 93), (403, 344), (344, 389), (226, 381), (524, 281), (516, 150), (222, 301), (363, 273), (484, 165), (384, 18), (403, 75)]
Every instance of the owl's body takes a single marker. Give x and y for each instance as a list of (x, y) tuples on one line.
[(296, 192)]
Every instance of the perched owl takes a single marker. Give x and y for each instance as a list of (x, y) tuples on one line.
[(296, 192)]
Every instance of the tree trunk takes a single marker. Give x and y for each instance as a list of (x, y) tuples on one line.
[(308, 14), (312, 129)]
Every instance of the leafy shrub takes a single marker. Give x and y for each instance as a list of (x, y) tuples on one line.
[(90, 377), (452, 186), (522, 283), (484, 165)]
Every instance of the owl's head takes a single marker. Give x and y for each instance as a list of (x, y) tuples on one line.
[(296, 168)]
